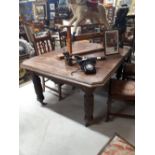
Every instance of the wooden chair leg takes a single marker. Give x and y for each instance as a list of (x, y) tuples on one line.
[(59, 91), (43, 83), (108, 109)]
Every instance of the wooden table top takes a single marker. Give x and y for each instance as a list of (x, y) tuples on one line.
[(83, 46), (51, 66)]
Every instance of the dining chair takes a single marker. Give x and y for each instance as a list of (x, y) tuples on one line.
[(29, 31), (45, 44), (128, 71), (125, 66), (129, 36), (62, 38), (121, 90)]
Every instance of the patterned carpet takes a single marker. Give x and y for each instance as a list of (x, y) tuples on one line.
[(117, 146)]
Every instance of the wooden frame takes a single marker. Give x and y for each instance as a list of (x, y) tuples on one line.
[(70, 40), (40, 10), (52, 15), (52, 6), (111, 42)]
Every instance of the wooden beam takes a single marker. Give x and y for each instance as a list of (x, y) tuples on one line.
[(69, 40), (61, 56), (89, 36), (80, 37), (84, 25)]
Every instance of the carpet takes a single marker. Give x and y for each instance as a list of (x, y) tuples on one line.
[(117, 146)]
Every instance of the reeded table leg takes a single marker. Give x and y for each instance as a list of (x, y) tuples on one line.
[(38, 88), (88, 106)]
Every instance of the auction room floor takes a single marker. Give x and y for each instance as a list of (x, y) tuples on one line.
[(58, 128)]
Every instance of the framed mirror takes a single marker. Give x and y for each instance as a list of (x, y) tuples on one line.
[(111, 42)]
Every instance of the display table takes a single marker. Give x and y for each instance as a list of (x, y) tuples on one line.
[(50, 66)]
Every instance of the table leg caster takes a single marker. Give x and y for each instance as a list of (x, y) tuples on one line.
[(42, 103)]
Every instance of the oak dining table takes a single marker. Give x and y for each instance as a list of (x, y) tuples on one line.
[(51, 66)]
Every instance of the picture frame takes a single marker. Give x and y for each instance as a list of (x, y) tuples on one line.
[(40, 10), (52, 15), (111, 42), (52, 6)]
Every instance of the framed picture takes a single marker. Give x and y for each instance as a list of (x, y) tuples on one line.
[(111, 42), (26, 10), (52, 7), (52, 15), (40, 10)]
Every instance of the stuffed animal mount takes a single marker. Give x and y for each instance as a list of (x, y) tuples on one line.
[(87, 9)]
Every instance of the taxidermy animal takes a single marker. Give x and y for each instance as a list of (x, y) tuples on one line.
[(81, 12)]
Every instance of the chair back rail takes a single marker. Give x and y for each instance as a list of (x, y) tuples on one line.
[(43, 44)]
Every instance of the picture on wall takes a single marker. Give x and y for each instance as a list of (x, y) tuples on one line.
[(40, 10), (52, 6), (26, 10), (52, 15)]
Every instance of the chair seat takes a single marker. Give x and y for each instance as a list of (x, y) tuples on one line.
[(123, 90), (129, 69)]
